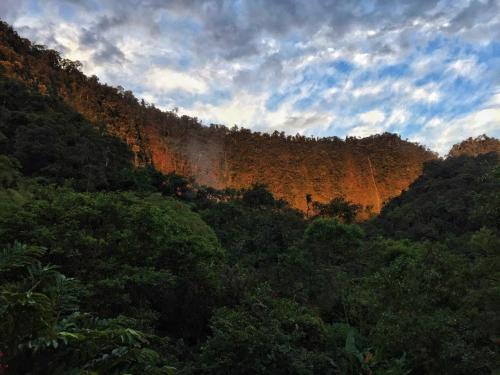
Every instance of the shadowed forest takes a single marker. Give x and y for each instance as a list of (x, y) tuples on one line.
[(110, 266)]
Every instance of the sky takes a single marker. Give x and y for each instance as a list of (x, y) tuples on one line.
[(428, 70)]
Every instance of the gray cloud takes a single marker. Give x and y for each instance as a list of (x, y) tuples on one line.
[(476, 12), (270, 70), (231, 30), (104, 51)]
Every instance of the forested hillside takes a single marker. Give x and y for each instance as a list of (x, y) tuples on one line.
[(109, 266), (365, 171)]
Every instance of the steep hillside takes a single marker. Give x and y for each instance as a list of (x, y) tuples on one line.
[(452, 196), (367, 171)]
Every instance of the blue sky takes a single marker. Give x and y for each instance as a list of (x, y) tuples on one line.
[(429, 70)]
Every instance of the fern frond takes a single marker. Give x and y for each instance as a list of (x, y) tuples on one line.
[(18, 255)]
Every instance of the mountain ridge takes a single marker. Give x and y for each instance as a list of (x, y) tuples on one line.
[(367, 171)]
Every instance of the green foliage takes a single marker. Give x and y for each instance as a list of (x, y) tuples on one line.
[(339, 208), (154, 255), (486, 208), (41, 330), (52, 141), (9, 172), (12, 189), (341, 238), (258, 196), (149, 179), (18, 256), (452, 197), (266, 335), (331, 252), (428, 305), (259, 242)]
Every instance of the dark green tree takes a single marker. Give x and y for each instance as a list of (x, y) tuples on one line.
[(339, 208)]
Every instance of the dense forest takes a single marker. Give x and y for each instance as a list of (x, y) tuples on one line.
[(107, 267)]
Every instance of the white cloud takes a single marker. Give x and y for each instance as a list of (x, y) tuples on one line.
[(362, 59), (242, 110), (484, 120), (494, 100), (365, 130), (440, 134), (464, 67), (372, 117), (368, 90), (423, 65), (426, 94), (164, 79), (245, 110), (434, 123), (398, 116), (404, 88)]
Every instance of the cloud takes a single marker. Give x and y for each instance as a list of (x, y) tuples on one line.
[(442, 133), (466, 68), (372, 122), (318, 67), (494, 100), (473, 14), (164, 79), (424, 94), (11, 9), (371, 90), (372, 117), (398, 116), (103, 51), (450, 132)]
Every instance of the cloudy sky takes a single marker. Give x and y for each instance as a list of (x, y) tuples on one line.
[(429, 70)]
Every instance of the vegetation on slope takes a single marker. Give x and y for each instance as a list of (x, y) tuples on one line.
[(475, 146), (455, 197)]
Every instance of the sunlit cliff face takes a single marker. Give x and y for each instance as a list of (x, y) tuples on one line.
[(366, 171)]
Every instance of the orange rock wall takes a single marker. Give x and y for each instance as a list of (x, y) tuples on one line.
[(366, 171)]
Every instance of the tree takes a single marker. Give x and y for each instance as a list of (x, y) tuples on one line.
[(309, 201), (334, 250), (258, 196), (425, 304), (339, 208), (42, 331), (52, 141), (264, 335), (153, 255), (453, 197)]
